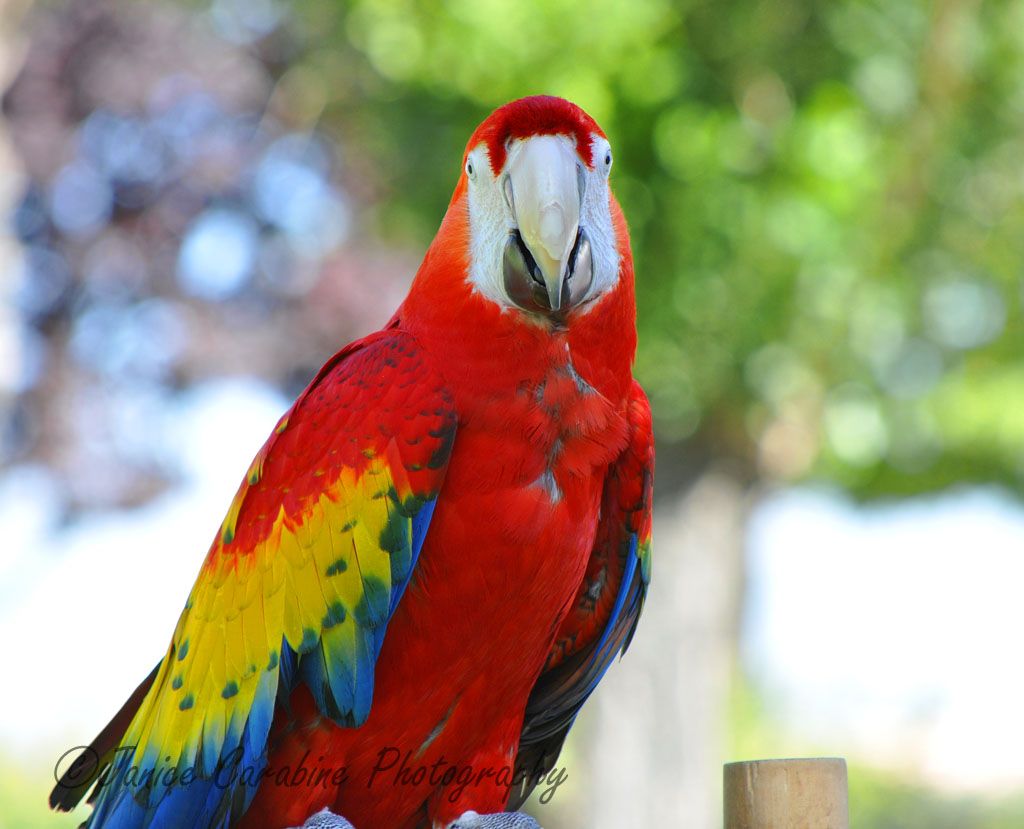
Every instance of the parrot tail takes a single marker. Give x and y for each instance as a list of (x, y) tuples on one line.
[(88, 766)]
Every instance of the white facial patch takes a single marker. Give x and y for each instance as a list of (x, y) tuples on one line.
[(492, 219)]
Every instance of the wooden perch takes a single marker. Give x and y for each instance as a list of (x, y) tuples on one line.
[(787, 794)]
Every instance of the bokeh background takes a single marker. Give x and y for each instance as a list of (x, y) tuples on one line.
[(203, 200)]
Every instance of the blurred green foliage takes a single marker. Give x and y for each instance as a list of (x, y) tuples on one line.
[(880, 802), (825, 201)]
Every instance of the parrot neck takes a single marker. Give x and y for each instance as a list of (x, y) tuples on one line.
[(485, 350)]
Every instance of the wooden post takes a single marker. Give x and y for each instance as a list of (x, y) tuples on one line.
[(787, 794)]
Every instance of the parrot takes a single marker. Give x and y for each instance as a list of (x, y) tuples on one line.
[(440, 549)]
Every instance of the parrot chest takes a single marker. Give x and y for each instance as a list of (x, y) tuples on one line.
[(524, 483)]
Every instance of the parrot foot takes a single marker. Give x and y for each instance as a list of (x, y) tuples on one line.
[(499, 820), (325, 819)]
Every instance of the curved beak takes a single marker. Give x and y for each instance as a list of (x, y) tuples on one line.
[(542, 187)]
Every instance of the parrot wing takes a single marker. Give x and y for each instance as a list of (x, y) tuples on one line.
[(299, 585), (607, 607)]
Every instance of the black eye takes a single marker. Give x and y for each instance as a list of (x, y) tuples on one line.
[(469, 169), (608, 159)]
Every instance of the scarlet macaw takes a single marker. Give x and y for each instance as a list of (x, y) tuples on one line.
[(441, 547)]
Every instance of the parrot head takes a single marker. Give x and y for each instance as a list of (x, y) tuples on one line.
[(542, 220)]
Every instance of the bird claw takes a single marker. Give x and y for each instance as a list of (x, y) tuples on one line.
[(499, 820), (325, 819)]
